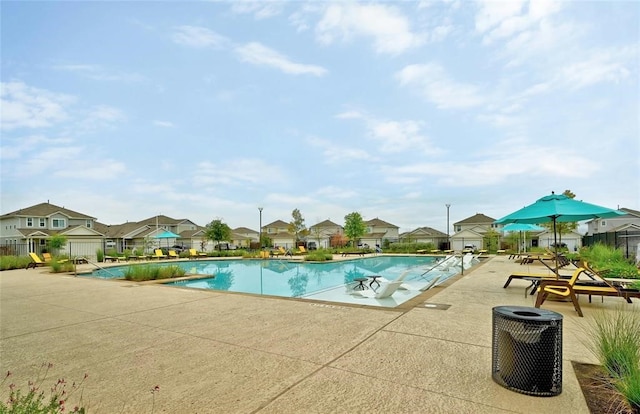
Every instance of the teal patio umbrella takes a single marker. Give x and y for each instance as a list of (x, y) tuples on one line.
[(557, 208), (522, 227), (167, 235)]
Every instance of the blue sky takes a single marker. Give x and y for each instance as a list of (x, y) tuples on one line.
[(207, 110)]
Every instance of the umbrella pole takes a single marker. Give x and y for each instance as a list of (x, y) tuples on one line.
[(555, 246)]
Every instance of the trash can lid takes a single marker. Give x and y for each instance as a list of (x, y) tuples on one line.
[(527, 313)]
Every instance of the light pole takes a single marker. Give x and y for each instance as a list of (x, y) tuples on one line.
[(260, 230), (448, 242)]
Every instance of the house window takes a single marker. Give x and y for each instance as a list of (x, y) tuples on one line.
[(603, 223), (58, 223), (88, 224), (42, 222), (29, 222)]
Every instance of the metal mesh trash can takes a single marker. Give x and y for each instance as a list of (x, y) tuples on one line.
[(527, 350)]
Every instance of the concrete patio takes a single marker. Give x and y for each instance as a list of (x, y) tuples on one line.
[(214, 352)]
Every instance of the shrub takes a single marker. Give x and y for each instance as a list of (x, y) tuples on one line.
[(409, 247), (318, 256), (141, 273), (59, 266), (615, 340), (35, 401), (100, 255), (14, 262), (609, 261)]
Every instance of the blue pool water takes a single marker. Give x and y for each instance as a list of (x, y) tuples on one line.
[(291, 279)]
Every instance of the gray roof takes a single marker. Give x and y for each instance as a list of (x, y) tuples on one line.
[(45, 210)]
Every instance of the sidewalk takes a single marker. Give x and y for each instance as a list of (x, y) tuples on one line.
[(212, 352)]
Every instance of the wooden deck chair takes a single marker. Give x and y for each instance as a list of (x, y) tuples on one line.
[(48, 258), (560, 287), (36, 261)]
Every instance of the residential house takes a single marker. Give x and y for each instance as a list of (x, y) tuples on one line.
[(322, 232), (28, 229), (471, 231), (425, 235), (572, 240), (378, 231), (243, 237), (622, 232), (278, 232), (150, 233)]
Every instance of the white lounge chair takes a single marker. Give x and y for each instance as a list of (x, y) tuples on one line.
[(400, 278), (431, 284), (385, 291)]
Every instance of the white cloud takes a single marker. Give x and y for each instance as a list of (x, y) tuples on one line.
[(198, 37), (601, 66), (15, 148), (340, 154), (260, 9), (97, 72), (239, 171), (25, 106), (258, 54), (386, 25), (436, 86), (163, 124)]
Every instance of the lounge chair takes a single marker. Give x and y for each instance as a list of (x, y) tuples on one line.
[(431, 284), (48, 258), (400, 279), (572, 288), (301, 250), (159, 255), (193, 253), (36, 261), (560, 287), (173, 254), (385, 291)]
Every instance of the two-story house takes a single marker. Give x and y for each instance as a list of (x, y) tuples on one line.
[(28, 229), (278, 232), (378, 231), (322, 232), (471, 231)]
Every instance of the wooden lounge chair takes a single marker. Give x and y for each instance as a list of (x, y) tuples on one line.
[(301, 250), (159, 255), (572, 288), (173, 254), (36, 261), (48, 258), (560, 287)]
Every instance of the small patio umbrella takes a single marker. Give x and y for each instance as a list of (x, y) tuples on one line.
[(557, 208), (167, 235), (522, 227)]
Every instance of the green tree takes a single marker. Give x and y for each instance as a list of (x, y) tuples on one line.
[(491, 240), (297, 226), (354, 226), (218, 231), (563, 228), (57, 242)]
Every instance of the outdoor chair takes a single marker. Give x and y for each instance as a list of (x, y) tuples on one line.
[(36, 261), (385, 291), (159, 255)]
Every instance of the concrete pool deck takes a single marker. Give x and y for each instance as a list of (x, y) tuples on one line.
[(216, 352)]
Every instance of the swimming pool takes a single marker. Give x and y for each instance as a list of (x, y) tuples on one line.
[(297, 279)]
